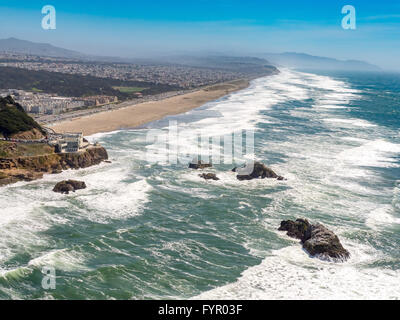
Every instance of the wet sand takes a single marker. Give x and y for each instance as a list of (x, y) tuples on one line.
[(140, 114)]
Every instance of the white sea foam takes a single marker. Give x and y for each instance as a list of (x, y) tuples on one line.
[(327, 173), (321, 171), (235, 113), (290, 274), (353, 122), (376, 153), (118, 200), (98, 136), (63, 260), (26, 208), (330, 106), (381, 217)]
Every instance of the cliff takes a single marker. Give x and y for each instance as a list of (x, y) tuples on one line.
[(32, 168)]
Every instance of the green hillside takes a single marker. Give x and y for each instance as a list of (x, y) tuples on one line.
[(75, 85), (13, 118)]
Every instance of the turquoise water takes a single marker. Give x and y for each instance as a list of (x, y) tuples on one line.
[(150, 231)]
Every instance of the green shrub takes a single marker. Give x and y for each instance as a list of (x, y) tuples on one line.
[(13, 118)]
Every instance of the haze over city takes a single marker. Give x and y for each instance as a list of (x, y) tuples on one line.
[(157, 28)]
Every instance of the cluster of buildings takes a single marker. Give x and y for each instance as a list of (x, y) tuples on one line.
[(175, 75), (98, 100), (42, 103)]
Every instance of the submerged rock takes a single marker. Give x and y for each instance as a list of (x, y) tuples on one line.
[(209, 176), (317, 240), (256, 170), (199, 165), (66, 187)]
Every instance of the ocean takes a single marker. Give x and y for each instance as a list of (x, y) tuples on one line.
[(145, 230)]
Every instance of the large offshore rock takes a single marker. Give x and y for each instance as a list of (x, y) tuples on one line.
[(256, 170), (68, 186), (299, 229), (317, 240), (324, 243)]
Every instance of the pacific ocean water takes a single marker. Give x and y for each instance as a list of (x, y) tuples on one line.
[(144, 230)]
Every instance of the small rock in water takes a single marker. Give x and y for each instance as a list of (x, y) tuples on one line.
[(317, 240), (65, 187), (199, 165), (209, 176)]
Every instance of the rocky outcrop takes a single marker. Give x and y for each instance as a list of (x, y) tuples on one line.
[(34, 134), (256, 170), (65, 187), (60, 161), (13, 176), (50, 163), (317, 240), (91, 157), (323, 242), (199, 165), (299, 229), (209, 176)]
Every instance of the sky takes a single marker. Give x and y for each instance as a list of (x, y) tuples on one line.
[(133, 28)]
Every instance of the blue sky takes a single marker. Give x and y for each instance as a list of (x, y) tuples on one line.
[(143, 28)]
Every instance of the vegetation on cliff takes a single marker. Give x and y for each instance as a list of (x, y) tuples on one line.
[(10, 150), (14, 120)]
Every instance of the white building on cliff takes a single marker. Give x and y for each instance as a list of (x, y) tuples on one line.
[(70, 143)]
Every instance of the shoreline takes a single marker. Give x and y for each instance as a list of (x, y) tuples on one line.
[(31, 168), (137, 115)]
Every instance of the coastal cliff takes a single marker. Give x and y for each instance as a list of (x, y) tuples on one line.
[(32, 168), (24, 153)]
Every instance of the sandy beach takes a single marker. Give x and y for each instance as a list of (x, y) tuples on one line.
[(140, 114)]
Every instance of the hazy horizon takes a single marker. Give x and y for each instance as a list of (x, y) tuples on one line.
[(137, 29)]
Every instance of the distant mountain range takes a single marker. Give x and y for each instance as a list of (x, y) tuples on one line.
[(305, 61), (13, 45), (228, 63), (288, 59)]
